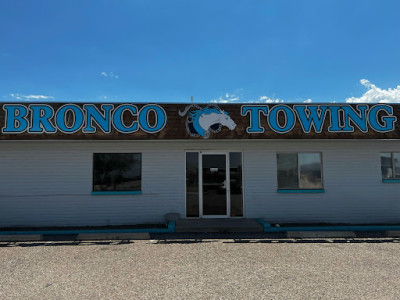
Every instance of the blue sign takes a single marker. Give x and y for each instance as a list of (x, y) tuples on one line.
[(202, 121)]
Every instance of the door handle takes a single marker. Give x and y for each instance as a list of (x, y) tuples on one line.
[(224, 185)]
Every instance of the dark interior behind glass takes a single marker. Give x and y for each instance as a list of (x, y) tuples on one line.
[(192, 184), (117, 171)]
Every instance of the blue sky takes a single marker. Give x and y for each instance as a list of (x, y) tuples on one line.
[(167, 51)]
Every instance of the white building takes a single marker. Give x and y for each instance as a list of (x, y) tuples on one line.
[(87, 179)]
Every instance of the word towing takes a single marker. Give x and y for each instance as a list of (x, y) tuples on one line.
[(341, 118)]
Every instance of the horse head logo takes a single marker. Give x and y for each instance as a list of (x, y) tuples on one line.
[(202, 121)]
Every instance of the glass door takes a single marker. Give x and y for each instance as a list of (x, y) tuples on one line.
[(215, 185)]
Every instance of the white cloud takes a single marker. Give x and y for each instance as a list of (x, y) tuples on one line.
[(227, 98), (232, 98), (30, 97), (109, 75), (266, 99), (375, 94)]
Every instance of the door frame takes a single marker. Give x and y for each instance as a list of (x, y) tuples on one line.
[(200, 181)]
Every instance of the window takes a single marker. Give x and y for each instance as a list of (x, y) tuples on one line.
[(299, 171), (235, 175), (117, 172), (192, 184), (390, 165)]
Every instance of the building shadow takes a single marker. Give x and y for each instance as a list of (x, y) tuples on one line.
[(65, 243), (267, 238), (197, 238), (317, 241)]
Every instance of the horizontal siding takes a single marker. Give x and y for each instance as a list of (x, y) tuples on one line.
[(52, 187), (354, 192), (48, 183)]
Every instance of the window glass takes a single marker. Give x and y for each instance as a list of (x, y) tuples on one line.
[(117, 171), (192, 184), (288, 177), (214, 184), (310, 170), (235, 165), (299, 171), (386, 165), (396, 165)]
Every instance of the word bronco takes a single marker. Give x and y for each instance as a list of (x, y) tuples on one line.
[(71, 118)]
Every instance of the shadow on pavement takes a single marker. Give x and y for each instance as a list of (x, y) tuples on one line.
[(65, 243), (283, 241), (279, 237), (317, 241), (197, 238)]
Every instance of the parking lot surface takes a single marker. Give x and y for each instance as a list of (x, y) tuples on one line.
[(201, 268)]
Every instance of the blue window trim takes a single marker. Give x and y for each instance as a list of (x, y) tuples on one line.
[(391, 180), (300, 191), (117, 193)]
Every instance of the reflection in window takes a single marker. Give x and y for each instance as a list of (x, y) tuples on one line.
[(117, 171), (288, 177), (235, 169), (192, 184), (390, 165), (299, 171)]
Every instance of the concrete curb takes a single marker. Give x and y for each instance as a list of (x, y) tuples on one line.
[(147, 236), (393, 233), (113, 236), (389, 231), (321, 234), (80, 235), (21, 238)]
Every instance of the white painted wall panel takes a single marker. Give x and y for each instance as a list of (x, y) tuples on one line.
[(52, 187), (48, 183), (354, 192)]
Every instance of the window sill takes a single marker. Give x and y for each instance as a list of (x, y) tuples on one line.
[(391, 180), (300, 191), (117, 193)]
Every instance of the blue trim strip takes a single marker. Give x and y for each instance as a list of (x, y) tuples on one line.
[(333, 228), (169, 229), (288, 191), (117, 193), (391, 180), (263, 223), (268, 228)]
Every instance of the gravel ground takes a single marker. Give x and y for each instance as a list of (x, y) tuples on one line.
[(202, 269)]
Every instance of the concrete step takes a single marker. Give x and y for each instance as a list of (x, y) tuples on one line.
[(218, 225)]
